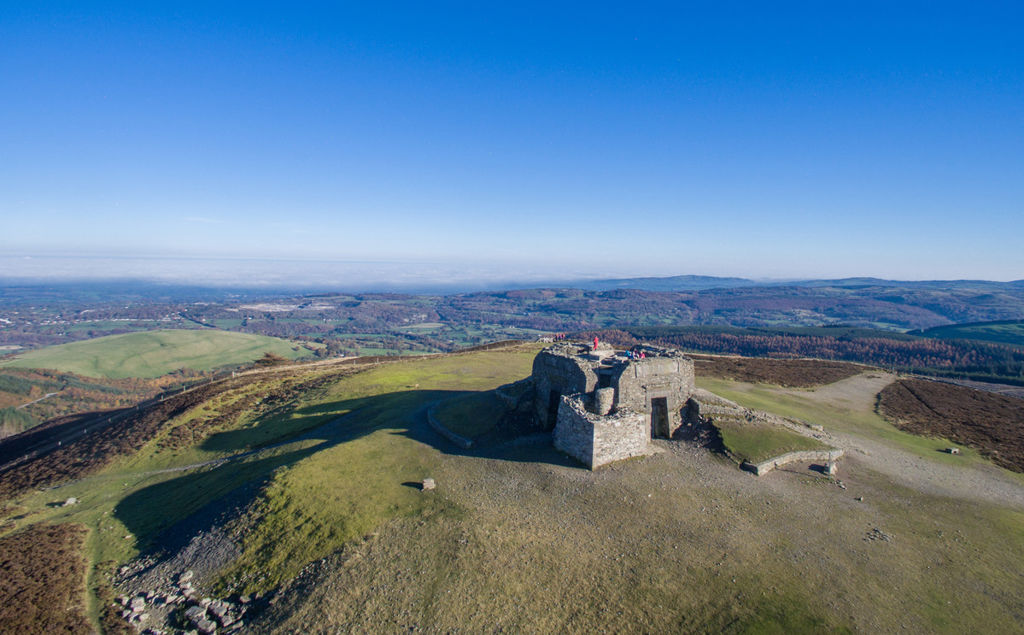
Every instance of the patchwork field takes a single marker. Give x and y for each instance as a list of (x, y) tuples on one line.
[(155, 353), (304, 485)]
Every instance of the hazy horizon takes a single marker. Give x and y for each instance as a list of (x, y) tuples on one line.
[(795, 141), (326, 275)]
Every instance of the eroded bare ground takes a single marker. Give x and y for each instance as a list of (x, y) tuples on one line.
[(679, 541), (972, 481)]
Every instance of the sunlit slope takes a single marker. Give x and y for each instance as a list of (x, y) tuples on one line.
[(516, 537), (155, 353)]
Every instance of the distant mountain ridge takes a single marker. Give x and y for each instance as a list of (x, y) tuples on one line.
[(669, 283), (702, 283)]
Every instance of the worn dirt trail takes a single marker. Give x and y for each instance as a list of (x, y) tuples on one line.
[(970, 481)]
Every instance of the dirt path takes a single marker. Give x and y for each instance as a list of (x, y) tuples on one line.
[(46, 396), (971, 482)]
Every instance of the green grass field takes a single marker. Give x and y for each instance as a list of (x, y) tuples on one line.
[(155, 353), (1003, 332)]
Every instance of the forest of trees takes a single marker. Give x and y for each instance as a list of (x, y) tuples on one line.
[(964, 359)]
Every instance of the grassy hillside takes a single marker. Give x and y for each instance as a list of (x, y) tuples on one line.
[(518, 538), (1003, 332), (155, 353)]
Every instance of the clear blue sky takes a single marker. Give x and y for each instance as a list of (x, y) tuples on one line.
[(765, 139)]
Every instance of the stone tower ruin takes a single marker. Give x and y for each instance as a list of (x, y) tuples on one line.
[(604, 405)]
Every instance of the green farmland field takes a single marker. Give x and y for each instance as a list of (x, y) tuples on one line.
[(1004, 332), (155, 353)]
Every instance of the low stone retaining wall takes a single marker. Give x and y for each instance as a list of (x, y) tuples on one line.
[(801, 456), (438, 427)]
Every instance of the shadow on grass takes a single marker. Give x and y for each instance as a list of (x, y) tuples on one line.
[(159, 515), (156, 512)]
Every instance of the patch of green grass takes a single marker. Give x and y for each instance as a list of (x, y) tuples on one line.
[(370, 459), (470, 415), (20, 385), (1004, 332), (756, 442), (322, 491), (155, 353), (13, 420)]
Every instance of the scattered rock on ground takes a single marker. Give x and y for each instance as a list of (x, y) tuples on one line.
[(878, 534)]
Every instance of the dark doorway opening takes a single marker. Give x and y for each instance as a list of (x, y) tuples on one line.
[(554, 399), (659, 417)]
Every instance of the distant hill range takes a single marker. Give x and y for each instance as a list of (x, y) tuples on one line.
[(670, 283), (700, 283), (381, 323)]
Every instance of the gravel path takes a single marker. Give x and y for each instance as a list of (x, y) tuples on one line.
[(970, 481)]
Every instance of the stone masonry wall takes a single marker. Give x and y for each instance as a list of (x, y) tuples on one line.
[(574, 433), (668, 377), (825, 456), (595, 440), (564, 374)]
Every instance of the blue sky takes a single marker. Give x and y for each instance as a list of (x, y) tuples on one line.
[(762, 139)]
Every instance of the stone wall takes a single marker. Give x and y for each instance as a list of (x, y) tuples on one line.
[(638, 398), (439, 427), (566, 369), (596, 440), (574, 432), (669, 377), (803, 456), (556, 368)]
